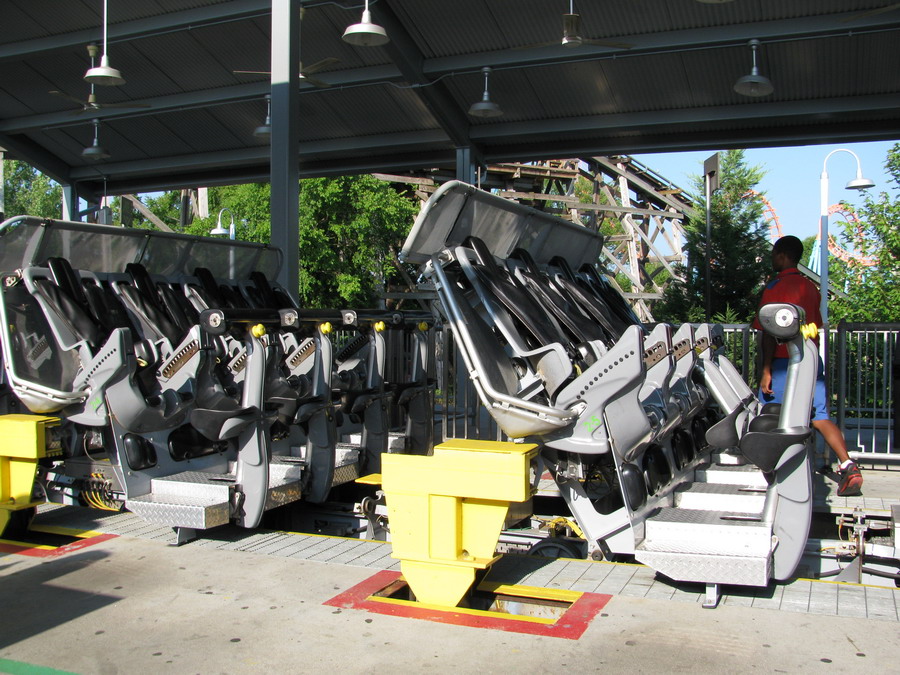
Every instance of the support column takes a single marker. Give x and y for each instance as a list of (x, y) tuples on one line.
[(465, 165), (2, 189), (285, 167), (69, 203)]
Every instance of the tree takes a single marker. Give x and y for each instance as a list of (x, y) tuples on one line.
[(350, 230), (29, 192), (739, 249), (873, 290)]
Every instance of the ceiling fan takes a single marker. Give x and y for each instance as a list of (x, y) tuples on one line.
[(305, 72), (573, 36), (92, 104)]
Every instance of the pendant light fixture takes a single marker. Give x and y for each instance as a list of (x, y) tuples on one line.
[(104, 74), (365, 33), (754, 84), (265, 130), (572, 28), (485, 107), (95, 151)]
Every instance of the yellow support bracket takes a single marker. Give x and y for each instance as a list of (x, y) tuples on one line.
[(25, 440), (446, 511)]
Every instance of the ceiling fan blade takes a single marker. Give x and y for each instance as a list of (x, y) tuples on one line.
[(68, 98), (872, 12), (538, 45), (314, 81), (252, 72), (319, 65)]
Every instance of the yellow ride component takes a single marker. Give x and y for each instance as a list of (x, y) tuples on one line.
[(446, 511), (326, 328), (423, 326), (26, 439), (258, 330), (809, 331), (379, 326)]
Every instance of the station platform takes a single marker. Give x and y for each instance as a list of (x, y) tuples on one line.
[(119, 599)]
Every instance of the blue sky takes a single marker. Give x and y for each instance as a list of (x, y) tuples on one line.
[(792, 176)]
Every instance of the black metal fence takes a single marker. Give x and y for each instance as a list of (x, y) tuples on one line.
[(863, 378)]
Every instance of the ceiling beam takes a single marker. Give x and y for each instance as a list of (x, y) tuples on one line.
[(38, 157), (140, 28), (423, 73), (829, 25), (406, 55), (309, 152), (195, 99), (745, 112)]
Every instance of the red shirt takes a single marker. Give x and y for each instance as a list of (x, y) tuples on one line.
[(791, 286)]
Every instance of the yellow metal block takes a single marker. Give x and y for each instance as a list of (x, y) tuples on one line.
[(26, 436), (446, 511), (25, 440)]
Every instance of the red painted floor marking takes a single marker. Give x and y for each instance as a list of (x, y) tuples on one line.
[(25, 549), (571, 625)]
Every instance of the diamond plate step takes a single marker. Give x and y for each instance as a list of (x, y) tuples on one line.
[(190, 499), (731, 474), (728, 459), (719, 497), (284, 481), (707, 568), (346, 463), (716, 532), (201, 500)]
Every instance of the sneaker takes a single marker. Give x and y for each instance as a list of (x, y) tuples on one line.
[(851, 481)]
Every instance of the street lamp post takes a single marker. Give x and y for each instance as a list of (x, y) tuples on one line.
[(858, 183), (218, 230)]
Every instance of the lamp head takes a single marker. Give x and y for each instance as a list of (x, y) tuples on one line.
[(860, 183), (95, 151), (485, 107), (365, 33), (754, 84), (104, 74)]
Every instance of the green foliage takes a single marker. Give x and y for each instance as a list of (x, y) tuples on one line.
[(28, 192), (350, 230), (873, 290), (739, 249)]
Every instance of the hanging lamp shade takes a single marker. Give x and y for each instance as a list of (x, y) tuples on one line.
[(95, 151), (485, 107), (104, 74), (264, 130), (365, 33), (754, 84)]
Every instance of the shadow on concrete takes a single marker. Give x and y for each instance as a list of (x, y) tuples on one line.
[(48, 605)]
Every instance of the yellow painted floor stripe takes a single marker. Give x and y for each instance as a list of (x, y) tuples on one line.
[(463, 610), (65, 531), (26, 544), (538, 592)]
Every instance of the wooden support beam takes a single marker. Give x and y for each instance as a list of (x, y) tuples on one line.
[(147, 213)]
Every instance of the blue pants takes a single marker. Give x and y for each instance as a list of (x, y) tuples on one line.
[(779, 376)]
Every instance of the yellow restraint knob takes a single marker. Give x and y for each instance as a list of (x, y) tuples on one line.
[(809, 331), (325, 328), (258, 330), (423, 326), (379, 326)]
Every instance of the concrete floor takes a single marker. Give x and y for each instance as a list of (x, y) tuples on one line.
[(129, 605), (247, 602)]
